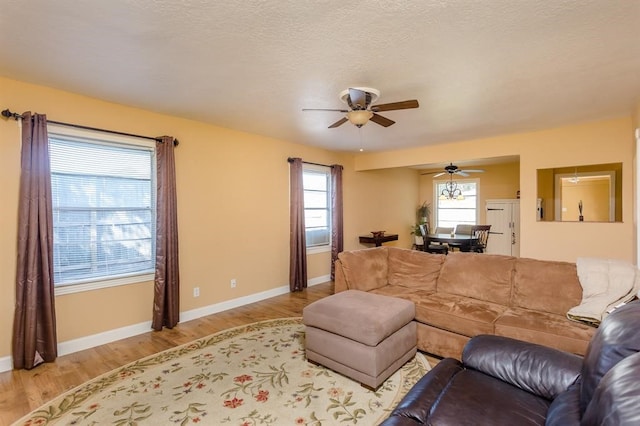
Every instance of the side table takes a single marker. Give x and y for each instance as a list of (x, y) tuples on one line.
[(365, 239)]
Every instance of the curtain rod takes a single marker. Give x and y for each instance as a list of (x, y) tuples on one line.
[(290, 160), (8, 114)]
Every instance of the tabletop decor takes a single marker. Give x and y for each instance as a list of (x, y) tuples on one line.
[(581, 218), (248, 375)]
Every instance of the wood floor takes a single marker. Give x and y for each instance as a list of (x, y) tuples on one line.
[(23, 391)]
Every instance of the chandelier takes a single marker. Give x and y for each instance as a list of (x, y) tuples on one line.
[(451, 191), (575, 178)]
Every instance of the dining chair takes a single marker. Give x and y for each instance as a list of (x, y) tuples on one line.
[(481, 232), (437, 247), (423, 231), (461, 229)]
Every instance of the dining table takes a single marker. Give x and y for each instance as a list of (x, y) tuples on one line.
[(463, 240)]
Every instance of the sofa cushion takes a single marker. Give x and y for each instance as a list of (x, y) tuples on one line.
[(544, 328), (479, 276), (413, 268), (365, 269), (458, 314), (546, 286), (408, 293), (501, 404), (522, 364)]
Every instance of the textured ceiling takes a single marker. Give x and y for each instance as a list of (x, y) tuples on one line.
[(478, 68)]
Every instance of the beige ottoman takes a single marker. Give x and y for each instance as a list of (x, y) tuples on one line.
[(361, 335)]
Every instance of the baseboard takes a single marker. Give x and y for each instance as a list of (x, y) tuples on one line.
[(230, 304), (245, 300), (87, 342), (6, 363), (318, 280)]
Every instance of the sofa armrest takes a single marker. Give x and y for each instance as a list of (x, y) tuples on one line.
[(538, 369), (565, 409), (339, 280), (363, 270), (400, 421), (416, 405)]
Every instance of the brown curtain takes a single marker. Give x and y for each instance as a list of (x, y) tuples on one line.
[(34, 325), (166, 296), (337, 237), (297, 239)]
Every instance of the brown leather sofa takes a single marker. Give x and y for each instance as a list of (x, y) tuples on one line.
[(502, 381), (462, 295)]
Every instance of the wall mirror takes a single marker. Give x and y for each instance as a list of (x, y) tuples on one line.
[(589, 193)]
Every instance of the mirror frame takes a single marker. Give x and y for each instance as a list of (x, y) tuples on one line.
[(558, 191)]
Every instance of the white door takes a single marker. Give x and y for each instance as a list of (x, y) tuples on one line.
[(504, 218)]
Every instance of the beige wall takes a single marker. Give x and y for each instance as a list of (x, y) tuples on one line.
[(233, 210), (607, 141), (234, 222)]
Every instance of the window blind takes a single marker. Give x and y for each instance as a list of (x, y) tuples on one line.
[(103, 209)]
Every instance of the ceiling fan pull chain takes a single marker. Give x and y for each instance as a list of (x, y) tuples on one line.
[(360, 133)]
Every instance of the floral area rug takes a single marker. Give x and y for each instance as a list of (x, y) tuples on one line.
[(249, 375)]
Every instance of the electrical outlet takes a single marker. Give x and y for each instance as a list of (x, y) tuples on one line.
[(196, 292), (233, 283)]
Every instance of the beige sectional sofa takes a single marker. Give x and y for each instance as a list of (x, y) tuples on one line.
[(461, 295)]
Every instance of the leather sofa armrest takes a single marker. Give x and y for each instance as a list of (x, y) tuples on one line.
[(400, 421), (538, 369), (565, 409), (416, 405)]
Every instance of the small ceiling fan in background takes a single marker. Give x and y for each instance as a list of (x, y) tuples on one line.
[(360, 111), (452, 169)]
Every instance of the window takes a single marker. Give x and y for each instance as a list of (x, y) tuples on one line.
[(103, 196), (450, 213), (316, 181)]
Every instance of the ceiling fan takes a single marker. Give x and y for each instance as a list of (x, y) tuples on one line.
[(454, 170), (360, 111)]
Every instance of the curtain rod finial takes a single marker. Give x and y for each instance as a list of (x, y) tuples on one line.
[(8, 114)]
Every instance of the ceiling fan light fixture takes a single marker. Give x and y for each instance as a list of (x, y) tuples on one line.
[(359, 117)]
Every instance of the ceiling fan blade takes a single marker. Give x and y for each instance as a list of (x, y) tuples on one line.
[(383, 121), (439, 174), (461, 173), (396, 105), (339, 122), (325, 109), (473, 171), (358, 99)]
